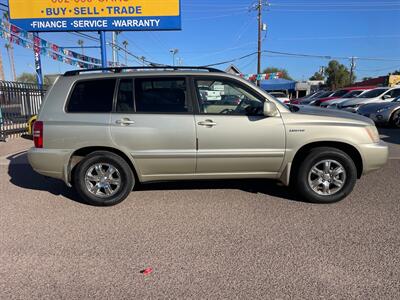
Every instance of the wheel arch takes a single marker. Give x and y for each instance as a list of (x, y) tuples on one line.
[(350, 150), (81, 153)]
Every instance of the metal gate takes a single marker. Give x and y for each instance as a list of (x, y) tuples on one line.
[(18, 102)]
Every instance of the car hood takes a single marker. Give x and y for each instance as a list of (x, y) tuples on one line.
[(356, 101), (373, 107), (335, 101), (337, 114)]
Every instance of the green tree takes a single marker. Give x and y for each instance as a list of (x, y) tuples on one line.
[(31, 78), (317, 76), (27, 78), (284, 72), (338, 75), (397, 72)]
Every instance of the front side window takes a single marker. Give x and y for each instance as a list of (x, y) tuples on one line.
[(92, 96), (167, 95), (395, 93), (226, 97)]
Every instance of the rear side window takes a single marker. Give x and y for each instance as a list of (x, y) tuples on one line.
[(92, 96), (125, 101), (167, 95)]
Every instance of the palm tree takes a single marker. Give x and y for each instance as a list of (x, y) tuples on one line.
[(81, 43), (1, 67), (10, 52), (10, 49), (125, 43)]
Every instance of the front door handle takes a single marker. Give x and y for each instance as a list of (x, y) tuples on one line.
[(207, 123), (125, 122)]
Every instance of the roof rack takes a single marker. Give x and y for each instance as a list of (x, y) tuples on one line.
[(121, 69)]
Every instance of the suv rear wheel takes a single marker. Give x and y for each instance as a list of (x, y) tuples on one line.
[(103, 179), (326, 175)]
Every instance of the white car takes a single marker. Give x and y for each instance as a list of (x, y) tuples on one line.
[(334, 103), (282, 97), (376, 95)]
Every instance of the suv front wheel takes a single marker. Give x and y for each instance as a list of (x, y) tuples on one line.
[(103, 179), (326, 175)]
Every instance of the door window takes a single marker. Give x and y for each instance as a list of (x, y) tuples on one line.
[(395, 93), (92, 96), (226, 97), (161, 96)]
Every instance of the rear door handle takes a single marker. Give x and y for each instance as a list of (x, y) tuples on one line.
[(207, 123), (125, 122)]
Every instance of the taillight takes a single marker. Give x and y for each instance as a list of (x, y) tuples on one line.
[(38, 134)]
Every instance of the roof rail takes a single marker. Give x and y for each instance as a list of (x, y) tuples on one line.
[(121, 69)]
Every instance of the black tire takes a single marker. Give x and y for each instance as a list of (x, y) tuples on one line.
[(302, 175), (395, 119), (124, 176)]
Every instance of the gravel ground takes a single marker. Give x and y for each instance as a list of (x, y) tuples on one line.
[(231, 239)]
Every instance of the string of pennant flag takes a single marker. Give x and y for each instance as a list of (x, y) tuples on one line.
[(16, 35)]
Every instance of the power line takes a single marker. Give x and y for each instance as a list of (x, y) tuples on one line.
[(305, 56)]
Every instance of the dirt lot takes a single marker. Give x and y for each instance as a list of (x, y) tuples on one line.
[(231, 239)]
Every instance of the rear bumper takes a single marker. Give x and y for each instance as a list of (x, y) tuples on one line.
[(375, 156), (50, 162)]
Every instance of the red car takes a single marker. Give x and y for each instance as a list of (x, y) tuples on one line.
[(342, 93)]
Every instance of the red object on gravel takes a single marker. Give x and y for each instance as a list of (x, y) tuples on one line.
[(147, 271)]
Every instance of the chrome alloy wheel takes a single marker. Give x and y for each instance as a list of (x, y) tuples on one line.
[(327, 177), (103, 180)]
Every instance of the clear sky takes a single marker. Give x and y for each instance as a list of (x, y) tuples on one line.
[(215, 31)]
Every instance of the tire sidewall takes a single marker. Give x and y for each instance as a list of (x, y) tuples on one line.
[(127, 179), (313, 158), (396, 115)]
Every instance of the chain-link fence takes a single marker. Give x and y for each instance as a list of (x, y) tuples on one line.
[(18, 103)]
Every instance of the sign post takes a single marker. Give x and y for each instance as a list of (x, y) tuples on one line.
[(103, 46)]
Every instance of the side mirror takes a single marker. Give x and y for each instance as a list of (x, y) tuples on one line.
[(270, 109), (386, 97)]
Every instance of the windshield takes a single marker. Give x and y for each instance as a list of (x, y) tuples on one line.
[(352, 94), (324, 95), (339, 93), (373, 93)]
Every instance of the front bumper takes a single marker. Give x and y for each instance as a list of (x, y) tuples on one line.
[(374, 156), (50, 162)]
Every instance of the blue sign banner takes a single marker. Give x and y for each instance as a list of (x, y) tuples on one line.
[(95, 15)]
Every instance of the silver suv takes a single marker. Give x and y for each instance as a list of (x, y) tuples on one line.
[(106, 132)]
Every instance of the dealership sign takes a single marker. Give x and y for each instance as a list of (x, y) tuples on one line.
[(95, 15)]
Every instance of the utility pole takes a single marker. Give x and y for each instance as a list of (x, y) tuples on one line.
[(259, 7), (352, 67)]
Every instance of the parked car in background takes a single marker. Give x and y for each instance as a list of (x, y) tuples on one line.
[(306, 101), (280, 96), (31, 122), (342, 93), (353, 94), (382, 113), (334, 103), (384, 94)]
